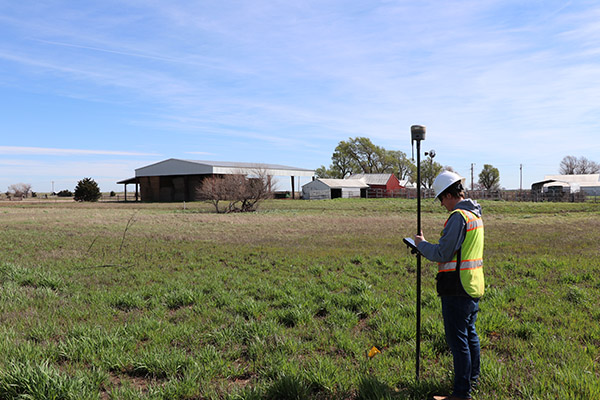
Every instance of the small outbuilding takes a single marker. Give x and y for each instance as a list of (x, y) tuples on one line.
[(179, 180), (559, 187), (322, 188), (380, 185)]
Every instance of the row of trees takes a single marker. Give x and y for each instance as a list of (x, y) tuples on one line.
[(360, 155), (86, 190)]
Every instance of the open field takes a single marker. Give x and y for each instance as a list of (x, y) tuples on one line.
[(151, 301)]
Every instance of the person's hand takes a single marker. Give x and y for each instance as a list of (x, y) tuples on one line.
[(419, 238)]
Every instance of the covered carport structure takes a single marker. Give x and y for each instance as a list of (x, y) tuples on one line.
[(130, 181), (179, 180)]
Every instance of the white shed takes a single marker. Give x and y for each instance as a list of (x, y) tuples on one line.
[(322, 188)]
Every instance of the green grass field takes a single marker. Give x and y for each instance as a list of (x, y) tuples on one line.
[(154, 301)]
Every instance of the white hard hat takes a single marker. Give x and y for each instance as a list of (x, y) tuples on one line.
[(444, 180)]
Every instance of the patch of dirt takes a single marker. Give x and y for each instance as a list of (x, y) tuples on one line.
[(139, 383)]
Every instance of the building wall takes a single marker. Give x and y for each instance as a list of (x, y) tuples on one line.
[(308, 194), (317, 190), (393, 183), (351, 193), (392, 186), (591, 190), (150, 188), (170, 188)]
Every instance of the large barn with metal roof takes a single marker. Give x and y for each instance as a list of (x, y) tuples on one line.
[(179, 180)]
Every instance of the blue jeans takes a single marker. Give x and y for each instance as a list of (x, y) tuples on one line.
[(459, 315)]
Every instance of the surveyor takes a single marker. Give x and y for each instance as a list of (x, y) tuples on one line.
[(460, 283)]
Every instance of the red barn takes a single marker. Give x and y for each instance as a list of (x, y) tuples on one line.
[(380, 185)]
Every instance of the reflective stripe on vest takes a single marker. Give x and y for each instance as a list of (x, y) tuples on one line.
[(471, 267)]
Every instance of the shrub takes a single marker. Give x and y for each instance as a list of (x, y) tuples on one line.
[(19, 190), (370, 388), (40, 380), (87, 190), (288, 387), (180, 298), (241, 193), (65, 193)]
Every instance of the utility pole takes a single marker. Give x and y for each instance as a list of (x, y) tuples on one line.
[(520, 182), (472, 164), (521, 179)]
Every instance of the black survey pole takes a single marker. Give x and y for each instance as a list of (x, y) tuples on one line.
[(418, 134)]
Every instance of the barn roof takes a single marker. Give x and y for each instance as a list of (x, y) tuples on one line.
[(174, 166), (128, 181), (582, 180), (575, 182), (407, 184), (344, 183), (372, 179)]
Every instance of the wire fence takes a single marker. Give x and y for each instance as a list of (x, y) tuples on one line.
[(503, 195), (119, 197), (404, 193)]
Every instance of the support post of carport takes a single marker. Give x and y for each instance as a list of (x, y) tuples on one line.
[(293, 187), (127, 182)]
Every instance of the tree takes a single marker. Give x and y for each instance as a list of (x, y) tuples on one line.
[(360, 155), (324, 172), (489, 177), (87, 190), (568, 165), (19, 190), (369, 158), (402, 166), (65, 193), (240, 193), (586, 166), (571, 165), (429, 171), (343, 162)]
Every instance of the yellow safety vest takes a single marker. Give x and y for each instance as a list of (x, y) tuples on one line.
[(471, 266)]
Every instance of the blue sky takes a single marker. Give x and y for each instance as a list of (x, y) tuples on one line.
[(99, 88)]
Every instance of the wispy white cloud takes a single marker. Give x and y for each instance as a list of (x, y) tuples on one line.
[(46, 151), (202, 153), (505, 77), (110, 51)]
